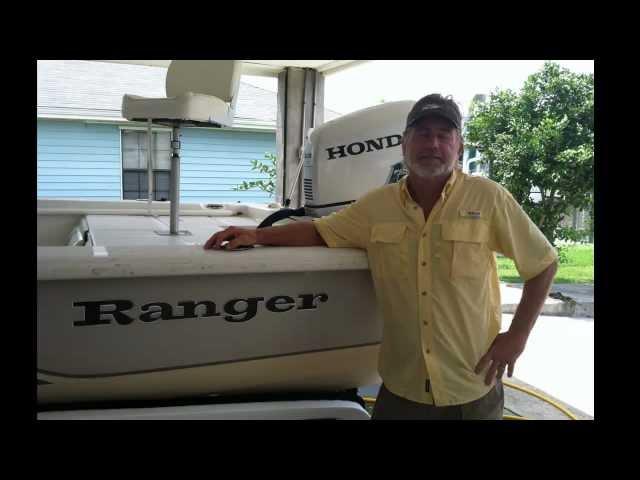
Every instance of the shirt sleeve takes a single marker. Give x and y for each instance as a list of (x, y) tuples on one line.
[(349, 227), (514, 235)]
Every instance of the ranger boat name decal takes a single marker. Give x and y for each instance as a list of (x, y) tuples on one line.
[(104, 312)]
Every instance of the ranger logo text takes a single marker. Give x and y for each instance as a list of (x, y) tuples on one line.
[(123, 312)]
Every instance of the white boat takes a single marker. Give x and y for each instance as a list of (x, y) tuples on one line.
[(131, 307), (137, 314)]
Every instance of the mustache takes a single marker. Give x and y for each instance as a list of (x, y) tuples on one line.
[(428, 156)]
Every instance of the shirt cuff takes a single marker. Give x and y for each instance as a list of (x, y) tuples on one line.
[(551, 257), (325, 232)]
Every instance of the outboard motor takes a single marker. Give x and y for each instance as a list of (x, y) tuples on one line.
[(349, 156)]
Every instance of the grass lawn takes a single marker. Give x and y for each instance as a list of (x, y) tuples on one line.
[(578, 269)]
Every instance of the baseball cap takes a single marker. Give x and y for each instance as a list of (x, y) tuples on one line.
[(434, 105)]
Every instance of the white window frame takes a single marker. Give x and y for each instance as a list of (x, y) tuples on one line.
[(154, 129)]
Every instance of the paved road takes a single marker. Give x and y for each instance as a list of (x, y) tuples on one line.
[(559, 359)]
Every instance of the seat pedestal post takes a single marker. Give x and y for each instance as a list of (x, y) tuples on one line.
[(174, 188)]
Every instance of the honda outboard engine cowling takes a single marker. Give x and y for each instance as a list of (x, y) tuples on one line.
[(348, 157), (352, 155)]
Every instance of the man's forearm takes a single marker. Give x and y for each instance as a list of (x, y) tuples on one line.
[(534, 294), (294, 234)]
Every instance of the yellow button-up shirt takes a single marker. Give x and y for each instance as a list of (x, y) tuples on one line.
[(436, 281)]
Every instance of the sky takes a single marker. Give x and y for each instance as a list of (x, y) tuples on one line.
[(366, 84)]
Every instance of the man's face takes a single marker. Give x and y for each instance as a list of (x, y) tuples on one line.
[(431, 147)]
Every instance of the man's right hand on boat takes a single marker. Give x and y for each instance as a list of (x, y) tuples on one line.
[(296, 234), (236, 236)]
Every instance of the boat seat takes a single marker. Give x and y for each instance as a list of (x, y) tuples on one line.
[(199, 92), (188, 108)]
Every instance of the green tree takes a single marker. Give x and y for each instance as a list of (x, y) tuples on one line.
[(268, 167), (540, 140)]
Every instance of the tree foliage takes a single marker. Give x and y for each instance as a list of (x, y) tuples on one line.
[(540, 140), (267, 167)]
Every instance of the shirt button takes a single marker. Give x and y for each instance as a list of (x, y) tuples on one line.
[(424, 264), (426, 323), (428, 351), (424, 293), (424, 235)]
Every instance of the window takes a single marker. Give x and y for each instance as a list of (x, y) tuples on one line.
[(134, 165)]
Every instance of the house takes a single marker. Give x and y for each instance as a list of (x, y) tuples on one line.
[(87, 150)]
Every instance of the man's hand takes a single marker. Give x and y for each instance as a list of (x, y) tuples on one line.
[(237, 237), (504, 351), (507, 347)]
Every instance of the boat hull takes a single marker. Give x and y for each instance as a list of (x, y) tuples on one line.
[(164, 337)]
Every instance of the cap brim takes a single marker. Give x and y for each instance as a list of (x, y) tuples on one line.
[(434, 113)]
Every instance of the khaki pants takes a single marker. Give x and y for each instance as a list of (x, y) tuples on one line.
[(391, 407)]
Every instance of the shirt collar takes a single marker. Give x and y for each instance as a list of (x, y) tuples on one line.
[(449, 185), (406, 196)]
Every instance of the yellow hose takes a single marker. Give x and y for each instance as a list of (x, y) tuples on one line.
[(543, 398), (372, 400), (513, 417)]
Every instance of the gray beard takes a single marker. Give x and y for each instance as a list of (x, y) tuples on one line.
[(423, 171)]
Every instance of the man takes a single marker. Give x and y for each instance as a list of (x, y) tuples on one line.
[(430, 240)]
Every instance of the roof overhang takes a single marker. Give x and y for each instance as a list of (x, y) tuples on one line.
[(266, 68)]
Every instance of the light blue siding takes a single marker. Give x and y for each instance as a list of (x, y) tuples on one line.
[(80, 160), (214, 161)]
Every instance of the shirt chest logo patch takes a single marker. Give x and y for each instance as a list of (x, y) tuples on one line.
[(473, 214)]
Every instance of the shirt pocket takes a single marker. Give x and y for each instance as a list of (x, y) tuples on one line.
[(388, 254), (469, 249)]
